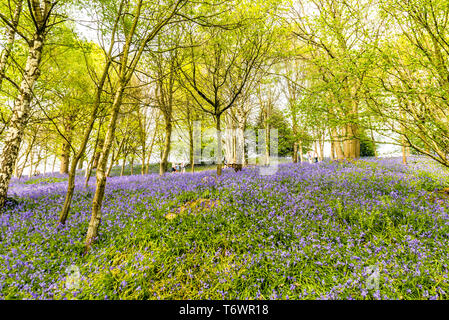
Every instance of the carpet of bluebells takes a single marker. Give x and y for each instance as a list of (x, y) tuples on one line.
[(310, 231)]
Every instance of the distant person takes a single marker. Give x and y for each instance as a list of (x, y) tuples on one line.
[(309, 156), (315, 157), (183, 167), (173, 169)]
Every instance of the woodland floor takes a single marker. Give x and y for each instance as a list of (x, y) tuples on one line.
[(310, 231)]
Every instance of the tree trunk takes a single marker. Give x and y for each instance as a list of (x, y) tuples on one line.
[(109, 169), (191, 149), (115, 155), (241, 138), (321, 146), (229, 140), (338, 145), (376, 154), (20, 116), (295, 152), (53, 164), (219, 151), (37, 164), (267, 143), (65, 158), (144, 155), (45, 160), (132, 165), (301, 151), (10, 36), (69, 194), (404, 151), (332, 150), (30, 174), (295, 134), (81, 163), (167, 145), (71, 183), (27, 155), (88, 172), (352, 141), (16, 169), (94, 224), (125, 75), (150, 152), (122, 171), (91, 163), (97, 153)]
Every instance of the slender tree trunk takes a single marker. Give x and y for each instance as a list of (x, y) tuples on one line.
[(338, 145), (115, 156), (352, 141), (144, 157), (16, 169), (267, 142), (66, 146), (167, 145), (124, 77), (132, 165), (30, 174), (38, 162), (191, 148), (109, 169), (27, 155), (240, 145), (301, 151), (45, 160), (240, 139), (246, 156), (404, 151), (53, 164), (98, 153), (71, 181), (150, 152), (81, 163), (95, 220), (332, 150), (69, 195), (219, 146), (147, 166), (295, 133), (321, 146), (10, 36), (65, 158), (122, 171), (90, 166), (403, 142), (229, 143), (295, 152), (88, 172), (374, 145), (20, 116)]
